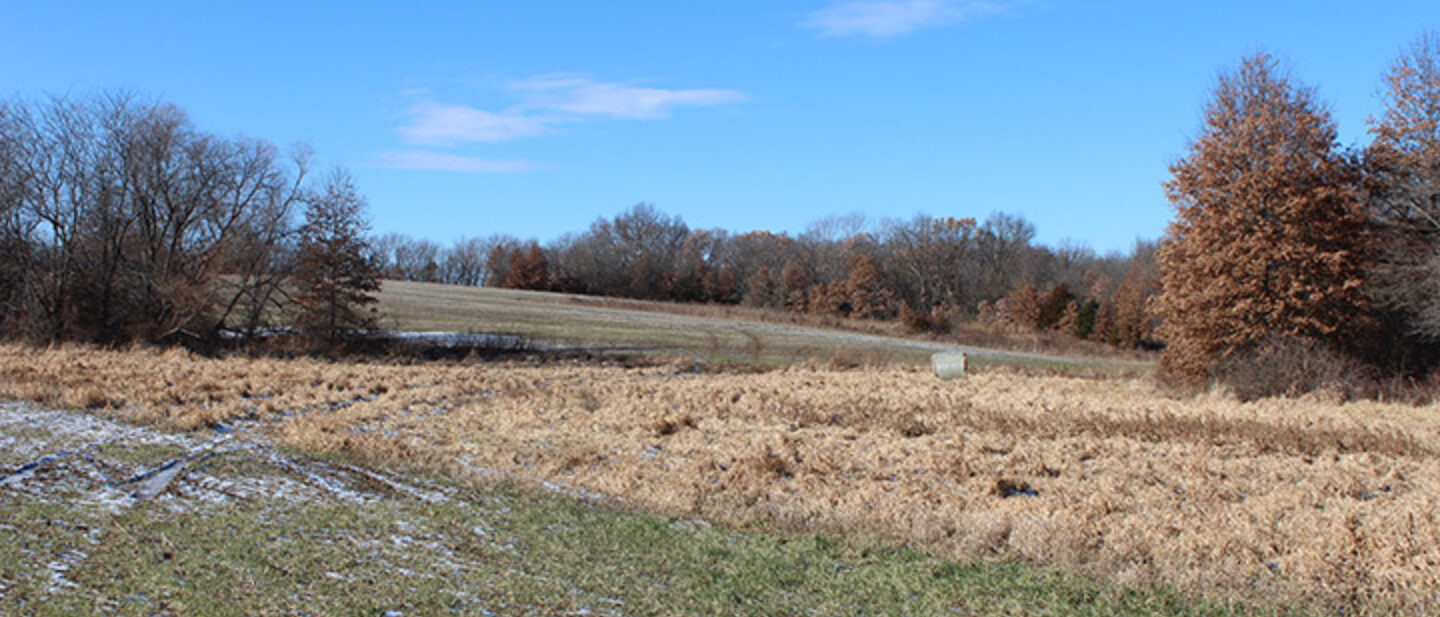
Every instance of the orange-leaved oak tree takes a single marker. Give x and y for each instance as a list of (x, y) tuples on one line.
[(1270, 238), (529, 269), (337, 273)]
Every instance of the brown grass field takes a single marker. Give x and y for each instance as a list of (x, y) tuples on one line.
[(726, 333), (1302, 503)]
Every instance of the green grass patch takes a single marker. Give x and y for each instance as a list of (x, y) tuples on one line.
[(28, 432), (1076, 367), (27, 443)]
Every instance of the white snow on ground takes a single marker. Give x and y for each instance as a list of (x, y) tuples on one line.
[(74, 458), (65, 460)]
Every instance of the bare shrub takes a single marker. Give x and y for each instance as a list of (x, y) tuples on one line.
[(670, 425), (935, 321), (911, 426), (1289, 366), (1011, 487), (846, 359)]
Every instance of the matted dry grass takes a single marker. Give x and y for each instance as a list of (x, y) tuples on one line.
[(1291, 501)]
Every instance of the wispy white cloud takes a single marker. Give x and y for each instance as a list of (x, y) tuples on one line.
[(888, 18), (542, 104), (585, 97), (446, 125), (440, 161)]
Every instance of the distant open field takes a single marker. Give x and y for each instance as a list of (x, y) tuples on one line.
[(707, 332), (1295, 504)]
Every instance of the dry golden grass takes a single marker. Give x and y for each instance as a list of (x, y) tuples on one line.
[(1294, 502)]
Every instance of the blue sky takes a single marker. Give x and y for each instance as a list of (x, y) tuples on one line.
[(536, 118)]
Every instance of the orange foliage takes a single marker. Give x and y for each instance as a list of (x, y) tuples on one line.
[(1269, 237), (528, 270)]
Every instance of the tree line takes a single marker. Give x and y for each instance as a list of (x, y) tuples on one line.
[(120, 221), (926, 271)]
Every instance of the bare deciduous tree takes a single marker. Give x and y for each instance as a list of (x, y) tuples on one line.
[(937, 260), (417, 260), (1403, 182), (119, 220), (262, 260), (467, 261), (1004, 246), (631, 255)]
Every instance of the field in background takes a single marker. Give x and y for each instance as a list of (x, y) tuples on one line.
[(1295, 503), (715, 333)]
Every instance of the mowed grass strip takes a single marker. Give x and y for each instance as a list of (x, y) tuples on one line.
[(711, 333), (716, 333)]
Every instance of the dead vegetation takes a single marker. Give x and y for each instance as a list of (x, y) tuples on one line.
[(1297, 502)]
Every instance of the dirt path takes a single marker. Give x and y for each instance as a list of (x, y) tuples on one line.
[(859, 339)]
